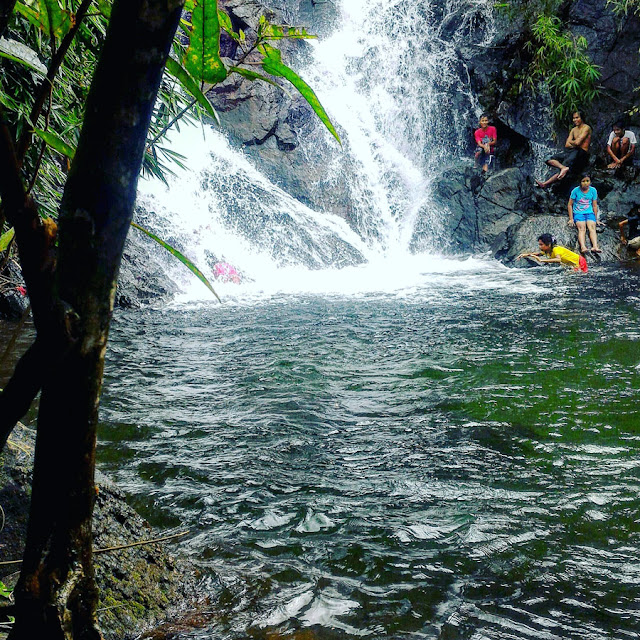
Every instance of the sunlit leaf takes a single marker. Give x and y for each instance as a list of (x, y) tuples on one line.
[(225, 23), (202, 58), (19, 52), (277, 32), (185, 261), (56, 142), (6, 238), (175, 69), (273, 65)]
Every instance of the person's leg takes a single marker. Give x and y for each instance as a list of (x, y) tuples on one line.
[(593, 235), (582, 235), (556, 176), (615, 147), (624, 147)]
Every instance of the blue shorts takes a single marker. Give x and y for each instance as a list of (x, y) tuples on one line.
[(584, 216)]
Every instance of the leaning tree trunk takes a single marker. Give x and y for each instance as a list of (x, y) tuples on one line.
[(56, 595)]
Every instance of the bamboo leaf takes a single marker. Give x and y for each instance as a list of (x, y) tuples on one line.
[(273, 65), (202, 58), (254, 75), (185, 261), (19, 52), (6, 238), (175, 69), (277, 32), (56, 142)]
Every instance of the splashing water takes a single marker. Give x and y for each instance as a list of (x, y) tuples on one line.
[(394, 83)]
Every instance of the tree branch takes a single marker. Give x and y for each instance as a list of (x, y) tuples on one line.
[(22, 388)]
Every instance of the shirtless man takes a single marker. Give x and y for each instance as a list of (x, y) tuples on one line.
[(576, 155)]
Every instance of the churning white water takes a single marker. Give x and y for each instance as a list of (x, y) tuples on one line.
[(393, 83)]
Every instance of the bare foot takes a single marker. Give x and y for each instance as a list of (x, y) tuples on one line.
[(596, 250), (485, 168), (563, 172), (613, 165), (583, 250)]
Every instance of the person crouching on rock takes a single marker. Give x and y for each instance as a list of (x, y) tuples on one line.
[(632, 236), (551, 252), (576, 154), (621, 146), (486, 137), (583, 213)]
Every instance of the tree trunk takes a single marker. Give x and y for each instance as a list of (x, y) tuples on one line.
[(56, 594)]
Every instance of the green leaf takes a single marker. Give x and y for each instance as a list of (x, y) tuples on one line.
[(56, 142), (273, 65), (226, 24), (30, 14), (185, 261), (104, 7), (254, 75), (277, 32), (5, 592), (18, 52), (175, 69), (202, 58), (5, 239)]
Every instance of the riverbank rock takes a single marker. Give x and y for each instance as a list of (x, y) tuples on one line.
[(143, 276), (13, 298), (140, 586)]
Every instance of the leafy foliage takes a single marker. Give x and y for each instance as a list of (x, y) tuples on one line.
[(51, 51), (625, 7), (559, 60)]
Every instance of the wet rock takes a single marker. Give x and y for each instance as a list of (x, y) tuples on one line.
[(143, 276), (13, 298)]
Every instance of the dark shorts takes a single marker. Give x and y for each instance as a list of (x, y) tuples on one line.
[(575, 159), (483, 157)]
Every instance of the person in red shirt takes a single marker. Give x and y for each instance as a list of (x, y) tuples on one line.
[(486, 137)]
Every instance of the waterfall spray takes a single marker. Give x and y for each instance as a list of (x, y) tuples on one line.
[(394, 83)]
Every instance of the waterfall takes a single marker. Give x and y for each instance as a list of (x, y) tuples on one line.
[(393, 81)]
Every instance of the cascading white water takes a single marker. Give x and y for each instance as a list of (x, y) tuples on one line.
[(393, 82)]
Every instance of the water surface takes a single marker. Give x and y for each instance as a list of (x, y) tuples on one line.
[(456, 458)]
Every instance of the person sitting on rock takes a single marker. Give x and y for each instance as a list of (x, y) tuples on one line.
[(486, 137), (632, 237), (621, 146), (583, 213), (576, 154), (555, 253)]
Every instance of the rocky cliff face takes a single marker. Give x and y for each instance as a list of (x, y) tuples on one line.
[(501, 213)]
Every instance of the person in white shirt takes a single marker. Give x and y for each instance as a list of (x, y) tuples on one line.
[(621, 146)]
